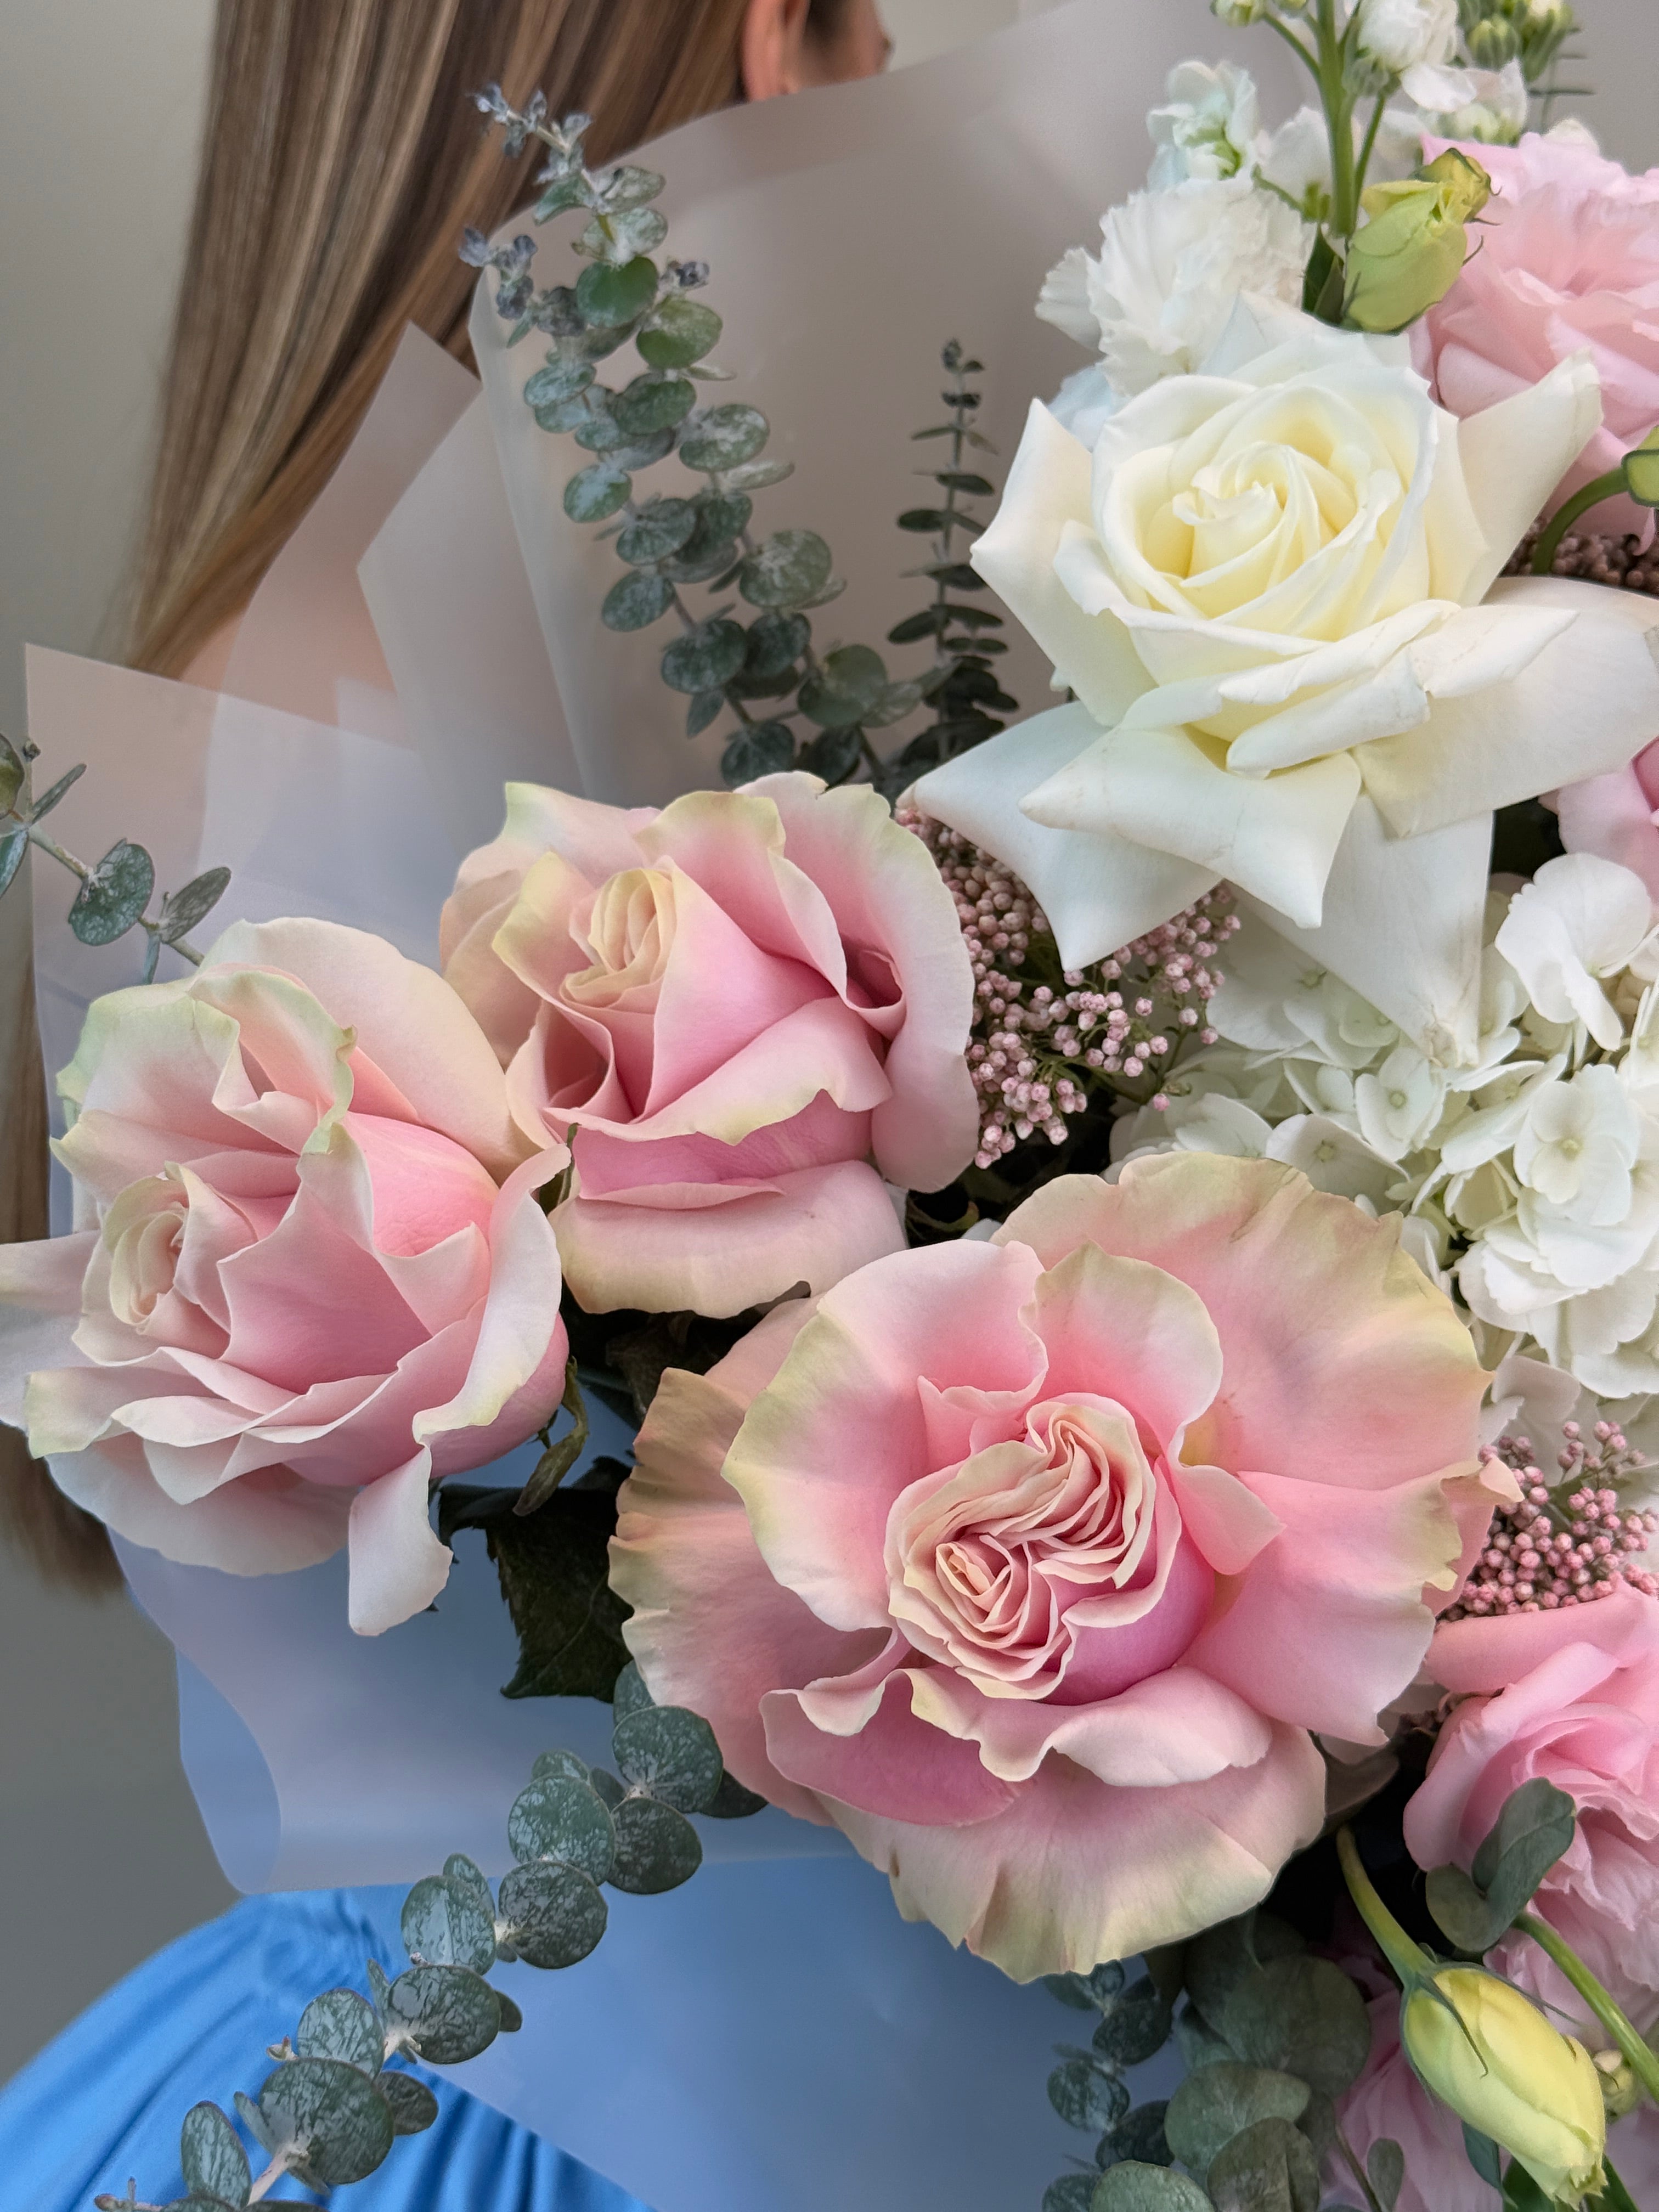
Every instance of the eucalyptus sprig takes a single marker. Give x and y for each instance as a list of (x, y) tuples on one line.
[(115, 893), (338, 2100), (791, 705)]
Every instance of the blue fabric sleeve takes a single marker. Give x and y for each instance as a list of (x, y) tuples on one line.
[(102, 2104)]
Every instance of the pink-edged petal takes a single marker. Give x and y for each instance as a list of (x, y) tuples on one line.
[(1472, 1657), (732, 845), (39, 1306), (397, 1565), (1612, 815), (1347, 1577), (897, 1765), (614, 1163), (1342, 1364), (710, 1628), (270, 1524), (718, 1259), (1075, 1872), (1176, 1726), (1125, 1329), (827, 1450), (1229, 1523)]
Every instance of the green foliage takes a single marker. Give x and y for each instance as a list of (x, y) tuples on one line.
[(1477, 1909), (554, 1567)]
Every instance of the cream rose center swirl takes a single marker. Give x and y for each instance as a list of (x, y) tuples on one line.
[(143, 1233), (630, 933)]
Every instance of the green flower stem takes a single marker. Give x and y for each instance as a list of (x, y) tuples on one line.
[(1369, 146), (1358, 2171), (1292, 42), (1606, 486), (1642, 2060), (1339, 119), (1408, 1960)]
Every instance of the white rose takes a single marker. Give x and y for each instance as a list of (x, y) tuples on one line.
[(1169, 273), (1210, 126), (1265, 587)]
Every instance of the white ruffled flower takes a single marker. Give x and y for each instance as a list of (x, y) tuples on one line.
[(1581, 921), (1210, 125), (1491, 107), (1414, 40), (1400, 1105)]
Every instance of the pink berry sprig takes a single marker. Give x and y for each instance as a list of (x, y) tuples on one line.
[(1554, 1549)]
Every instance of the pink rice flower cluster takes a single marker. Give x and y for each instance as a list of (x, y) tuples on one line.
[(1547, 1552), (1036, 1053)]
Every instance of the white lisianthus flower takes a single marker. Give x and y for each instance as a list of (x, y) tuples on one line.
[(1210, 125), (1166, 281), (1271, 587), (1581, 921)]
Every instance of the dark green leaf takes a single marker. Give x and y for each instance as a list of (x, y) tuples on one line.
[(657, 530), (1087, 2096), (1213, 2106), (559, 381), (1139, 2136), (928, 624), (705, 658), (43, 807), (1468, 1919), (630, 1694), (1532, 1830), (1302, 2016), (704, 709), (1221, 1958), (654, 402), (1133, 2025), (761, 749), (848, 683), (182, 910), (657, 1848), (1483, 2157), (733, 1802), (1134, 2188), (961, 481), (1268, 2167), (561, 1821), (595, 493), (630, 187), (333, 2117), (1318, 2123), (559, 1766), (672, 1754), (13, 843), (618, 237), (446, 1924), (114, 896), (255, 2121), (511, 2018), (445, 2014), (379, 1988), (340, 2024), (926, 521), (725, 437), (412, 2105), (726, 515), (1198, 2043), (606, 1788), (554, 1913), (897, 703), (777, 643), (1385, 2169), (564, 415), (703, 558), (636, 601), (1072, 2192), (681, 331), (211, 2154), (790, 567), (555, 1569), (834, 755), (566, 191), (610, 297), (1522, 2193)]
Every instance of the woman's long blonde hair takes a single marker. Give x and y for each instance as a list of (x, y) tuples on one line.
[(341, 162)]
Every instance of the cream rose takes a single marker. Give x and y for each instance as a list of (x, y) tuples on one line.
[(1271, 588)]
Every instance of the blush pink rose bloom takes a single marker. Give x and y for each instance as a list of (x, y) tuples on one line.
[(1033, 1563), (1617, 816), (1573, 1696), (1568, 259), (742, 1012), (309, 1275)]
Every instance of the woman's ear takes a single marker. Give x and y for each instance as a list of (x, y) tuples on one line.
[(774, 52)]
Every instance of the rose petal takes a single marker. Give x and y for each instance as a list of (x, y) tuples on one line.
[(896, 1765), (398, 1565)]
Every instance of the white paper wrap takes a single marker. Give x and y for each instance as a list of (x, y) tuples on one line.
[(773, 2033)]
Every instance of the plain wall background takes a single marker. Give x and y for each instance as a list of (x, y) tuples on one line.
[(102, 1857)]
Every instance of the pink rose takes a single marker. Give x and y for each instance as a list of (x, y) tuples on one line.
[(1032, 1563), (1568, 259), (1617, 816), (1572, 1695), (309, 1277), (729, 1009)]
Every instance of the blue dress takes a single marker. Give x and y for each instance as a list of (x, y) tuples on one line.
[(102, 2104)]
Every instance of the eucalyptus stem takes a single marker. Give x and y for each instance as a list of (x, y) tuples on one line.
[(1606, 486), (1642, 2059)]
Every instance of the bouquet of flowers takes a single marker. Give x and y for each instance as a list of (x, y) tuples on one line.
[(1143, 1217)]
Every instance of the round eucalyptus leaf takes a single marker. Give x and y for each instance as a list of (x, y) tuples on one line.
[(833, 753), (557, 1766), (1087, 2096), (703, 559), (757, 476), (561, 1821), (790, 567), (897, 703), (182, 910), (379, 1988), (1266, 2168), (566, 191), (1211, 2107), (681, 331), (706, 659), (554, 1913), (849, 684), (333, 2116), (672, 1754), (511, 2018), (760, 749), (413, 2106), (704, 708), (212, 2158), (1132, 2187), (598, 431), (114, 897), (559, 381), (654, 402), (657, 1848), (606, 1788), (194, 2203), (1198, 2043), (635, 601), (1138, 2136), (657, 530), (725, 437), (1223, 1956), (562, 416), (777, 643), (733, 1802), (595, 493), (458, 1868), (340, 2024), (630, 187), (1304, 2017), (1072, 1991), (643, 453), (13, 846), (634, 231), (1319, 2123), (444, 2014), (725, 514), (446, 1924), (610, 297), (1385, 2169), (1072, 2192)]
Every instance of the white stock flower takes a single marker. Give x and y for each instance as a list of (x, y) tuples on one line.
[(1210, 125), (1297, 156), (1170, 268), (1581, 921), (1491, 108), (1414, 40), (1271, 587)]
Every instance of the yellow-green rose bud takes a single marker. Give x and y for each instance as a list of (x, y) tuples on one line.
[(1642, 470), (1412, 252), (1489, 2053), (1621, 2092)]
